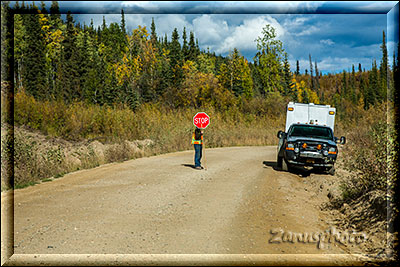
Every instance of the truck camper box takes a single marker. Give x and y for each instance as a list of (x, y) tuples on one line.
[(323, 115)]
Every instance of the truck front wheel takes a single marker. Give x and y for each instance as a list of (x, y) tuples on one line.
[(331, 170), (285, 165), (279, 162)]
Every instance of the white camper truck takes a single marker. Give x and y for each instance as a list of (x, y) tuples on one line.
[(308, 139)]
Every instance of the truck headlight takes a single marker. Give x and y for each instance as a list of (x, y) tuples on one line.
[(332, 150), (325, 152), (296, 150), (289, 146)]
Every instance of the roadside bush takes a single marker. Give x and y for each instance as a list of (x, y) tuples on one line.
[(368, 156), (368, 161), (32, 163)]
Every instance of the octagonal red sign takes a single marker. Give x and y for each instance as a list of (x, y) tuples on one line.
[(201, 120)]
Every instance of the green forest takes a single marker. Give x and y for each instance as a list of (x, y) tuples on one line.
[(56, 60)]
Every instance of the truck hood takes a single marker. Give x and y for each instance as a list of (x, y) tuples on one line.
[(308, 139)]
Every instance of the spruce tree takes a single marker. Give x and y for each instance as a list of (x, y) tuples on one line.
[(175, 57), (123, 26), (192, 48), (55, 14), (345, 88), (185, 47), (311, 74), (383, 71), (19, 44), (353, 96), (7, 49), (362, 89), (123, 39), (43, 7), (34, 60), (371, 90), (83, 63), (317, 75), (297, 68), (287, 75), (70, 81), (153, 34), (235, 84)]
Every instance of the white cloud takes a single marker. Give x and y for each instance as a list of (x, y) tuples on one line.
[(308, 31), (243, 36), (327, 42), (166, 23), (296, 22), (133, 20), (208, 30), (335, 63)]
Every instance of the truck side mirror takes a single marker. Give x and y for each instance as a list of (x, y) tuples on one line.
[(281, 134), (343, 140)]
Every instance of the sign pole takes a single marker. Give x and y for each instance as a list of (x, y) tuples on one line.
[(204, 155), (204, 149)]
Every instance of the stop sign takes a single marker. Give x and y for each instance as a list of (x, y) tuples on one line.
[(201, 120)]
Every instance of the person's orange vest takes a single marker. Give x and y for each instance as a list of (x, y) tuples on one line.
[(197, 142)]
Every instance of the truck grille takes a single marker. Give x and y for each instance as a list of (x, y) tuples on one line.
[(310, 146)]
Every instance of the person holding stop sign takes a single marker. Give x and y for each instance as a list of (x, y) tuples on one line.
[(201, 121), (197, 141)]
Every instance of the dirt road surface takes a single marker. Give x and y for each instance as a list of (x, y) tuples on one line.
[(161, 205)]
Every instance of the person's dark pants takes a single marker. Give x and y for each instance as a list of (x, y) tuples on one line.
[(198, 150)]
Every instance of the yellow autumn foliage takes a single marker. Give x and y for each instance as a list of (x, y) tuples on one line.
[(304, 94)]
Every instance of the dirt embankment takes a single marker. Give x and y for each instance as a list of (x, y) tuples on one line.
[(39, 157), (361, 215)]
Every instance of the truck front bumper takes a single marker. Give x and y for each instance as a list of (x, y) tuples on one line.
[(310, 164), (311, 159)]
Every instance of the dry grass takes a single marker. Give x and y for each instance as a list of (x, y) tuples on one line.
[(369, 161), (52, 138), (166, 127)]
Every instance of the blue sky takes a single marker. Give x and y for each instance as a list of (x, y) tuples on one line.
[(336, 34)]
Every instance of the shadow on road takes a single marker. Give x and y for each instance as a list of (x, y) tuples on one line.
[(295, 170), (189, 165), (300, 171), (272, 164)]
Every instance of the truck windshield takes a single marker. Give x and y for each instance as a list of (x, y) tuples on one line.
[(311, 131)]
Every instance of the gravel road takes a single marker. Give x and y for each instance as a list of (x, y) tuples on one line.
[(161, 204)]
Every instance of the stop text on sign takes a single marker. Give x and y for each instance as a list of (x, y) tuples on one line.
[(201, 120)]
